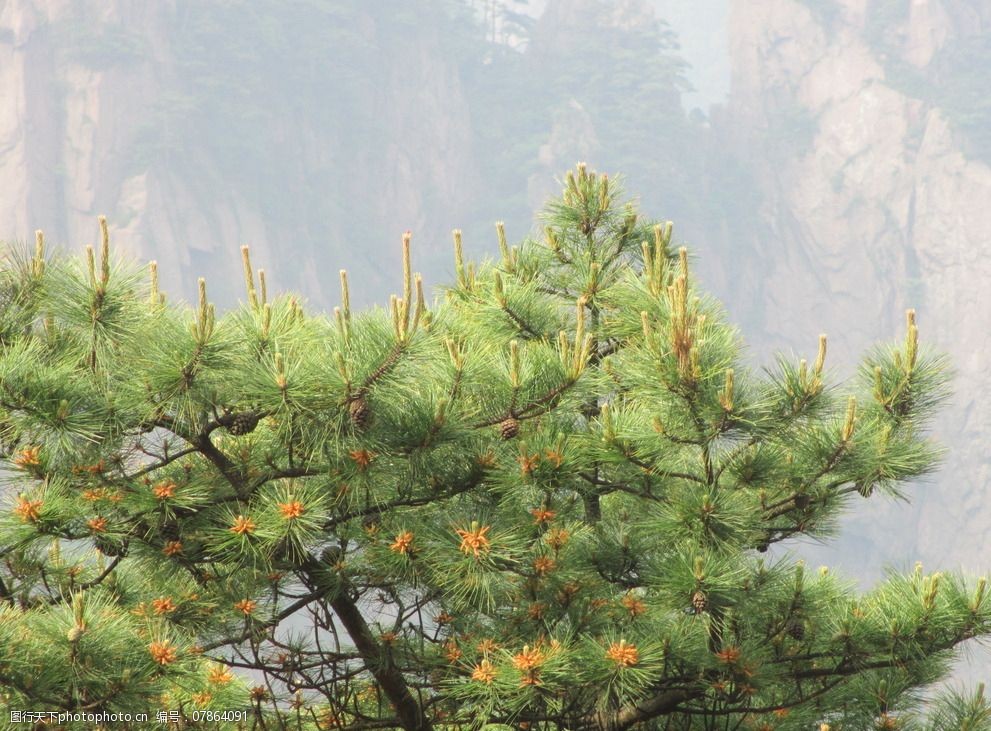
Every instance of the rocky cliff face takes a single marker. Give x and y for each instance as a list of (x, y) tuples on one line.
[(871, 205), (317, 133), (99, 114)]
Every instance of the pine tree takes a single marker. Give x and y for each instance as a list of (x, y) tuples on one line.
[(545, 501)]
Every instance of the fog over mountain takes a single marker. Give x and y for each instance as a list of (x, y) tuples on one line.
[(827, 161)]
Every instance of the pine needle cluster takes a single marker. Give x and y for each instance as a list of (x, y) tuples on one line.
[(543, 501)]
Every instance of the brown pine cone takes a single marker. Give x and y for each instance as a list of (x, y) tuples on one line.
[(699, 602), (509, 428), (796, 630), (360, 412), (243, 422)]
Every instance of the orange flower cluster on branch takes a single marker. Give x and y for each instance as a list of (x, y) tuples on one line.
[(542, 515), (246, 606), (484, 672), (97, 524), (164, 653), (623, 654), (164, 490), (28, 510), (452, 652), (528, 463), (163, 605), (543, 565), (362, 458), (558, 538), (219, 675), (292, 510), (728, 656), (94, 469), (487, 646), (528, 662), (403, 544), (633, 605), (474, 541), (243, 525), (28, 457)]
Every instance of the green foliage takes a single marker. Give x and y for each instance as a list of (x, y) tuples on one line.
[(544, 500)]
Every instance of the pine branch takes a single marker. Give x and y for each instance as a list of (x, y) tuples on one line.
[(520, 323), (384, 368), (665, 703), (287, 612), (162, 462), (380, 664), (103, 574), (463, 487), (223, 463), (201, 442)]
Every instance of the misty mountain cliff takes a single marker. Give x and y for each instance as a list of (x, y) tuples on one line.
[(874, 198), (315, 135), (319, 132)]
